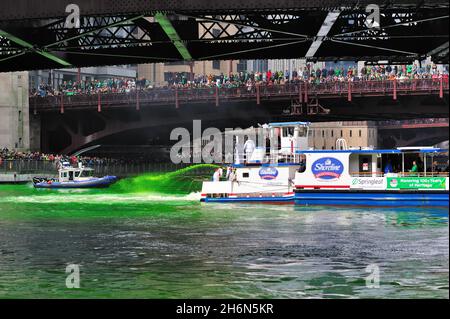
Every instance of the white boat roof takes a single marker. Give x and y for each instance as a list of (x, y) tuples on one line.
[(420, 149), (76, 169)]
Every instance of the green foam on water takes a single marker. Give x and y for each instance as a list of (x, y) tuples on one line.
[(182, 181)]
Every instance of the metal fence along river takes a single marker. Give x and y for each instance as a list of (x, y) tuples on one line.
[(116, 169)]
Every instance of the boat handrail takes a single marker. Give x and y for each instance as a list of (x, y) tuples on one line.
[(423, 174), (69, 168), (275, 158), (366, 174), (399, 174)]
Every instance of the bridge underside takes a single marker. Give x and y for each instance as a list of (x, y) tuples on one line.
[(390, 138), (131, 32), (76, 129)]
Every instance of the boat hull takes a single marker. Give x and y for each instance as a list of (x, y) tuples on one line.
[(277, 199), (102, 182), (372, 198)]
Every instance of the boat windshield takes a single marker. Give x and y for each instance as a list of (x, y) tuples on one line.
[(87, 173)]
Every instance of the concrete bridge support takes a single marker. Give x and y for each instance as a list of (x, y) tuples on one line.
[(14, 116)]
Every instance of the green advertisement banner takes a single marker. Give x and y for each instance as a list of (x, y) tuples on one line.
[(416, 183)]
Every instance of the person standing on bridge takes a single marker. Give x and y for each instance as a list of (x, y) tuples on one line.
[(269, 75)]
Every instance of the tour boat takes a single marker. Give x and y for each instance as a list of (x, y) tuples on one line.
[(369, 177), (71, 177), (264, 174), (290, 172)]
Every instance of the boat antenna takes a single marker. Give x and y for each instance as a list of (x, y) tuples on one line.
[(87, 149)]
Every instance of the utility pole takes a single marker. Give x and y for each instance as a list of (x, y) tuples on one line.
[(191, 66)]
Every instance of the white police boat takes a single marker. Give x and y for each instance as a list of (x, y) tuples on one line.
[(71, 177), (261, 172)]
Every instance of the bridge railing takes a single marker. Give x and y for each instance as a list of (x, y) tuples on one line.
[(174, 96)]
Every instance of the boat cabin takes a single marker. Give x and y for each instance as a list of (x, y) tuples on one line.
[(334, 169), (272, 143), (293, 137), (69, 174)]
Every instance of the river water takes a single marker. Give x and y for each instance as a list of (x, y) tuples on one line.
[(133, 241)]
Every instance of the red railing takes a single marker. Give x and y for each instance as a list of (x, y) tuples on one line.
[(303, 91)]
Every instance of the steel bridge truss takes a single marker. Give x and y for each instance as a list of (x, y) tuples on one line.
[(405, 34), (100, 33)]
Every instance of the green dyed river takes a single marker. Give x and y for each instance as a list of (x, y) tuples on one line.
[(150, 237)]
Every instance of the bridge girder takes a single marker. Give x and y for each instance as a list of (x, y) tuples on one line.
[(46, 9), (127, 32)]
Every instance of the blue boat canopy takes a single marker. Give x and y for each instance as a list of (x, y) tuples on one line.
[(374, 151), (350, 151), (284, 124), (422, 149)]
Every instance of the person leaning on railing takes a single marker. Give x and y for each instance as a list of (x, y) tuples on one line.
[(315, 76)]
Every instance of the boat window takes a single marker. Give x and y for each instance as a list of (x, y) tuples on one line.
[(245, 175), (288, 131), (302, 132), (365, 164), (77, 174), (86, 174), (302, 167)]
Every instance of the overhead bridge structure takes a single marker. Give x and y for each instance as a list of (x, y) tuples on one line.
[(50, 34)]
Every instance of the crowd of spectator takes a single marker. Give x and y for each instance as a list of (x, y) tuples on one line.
[(250, 79), (113, 85), (415, 121), (11, 155)]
